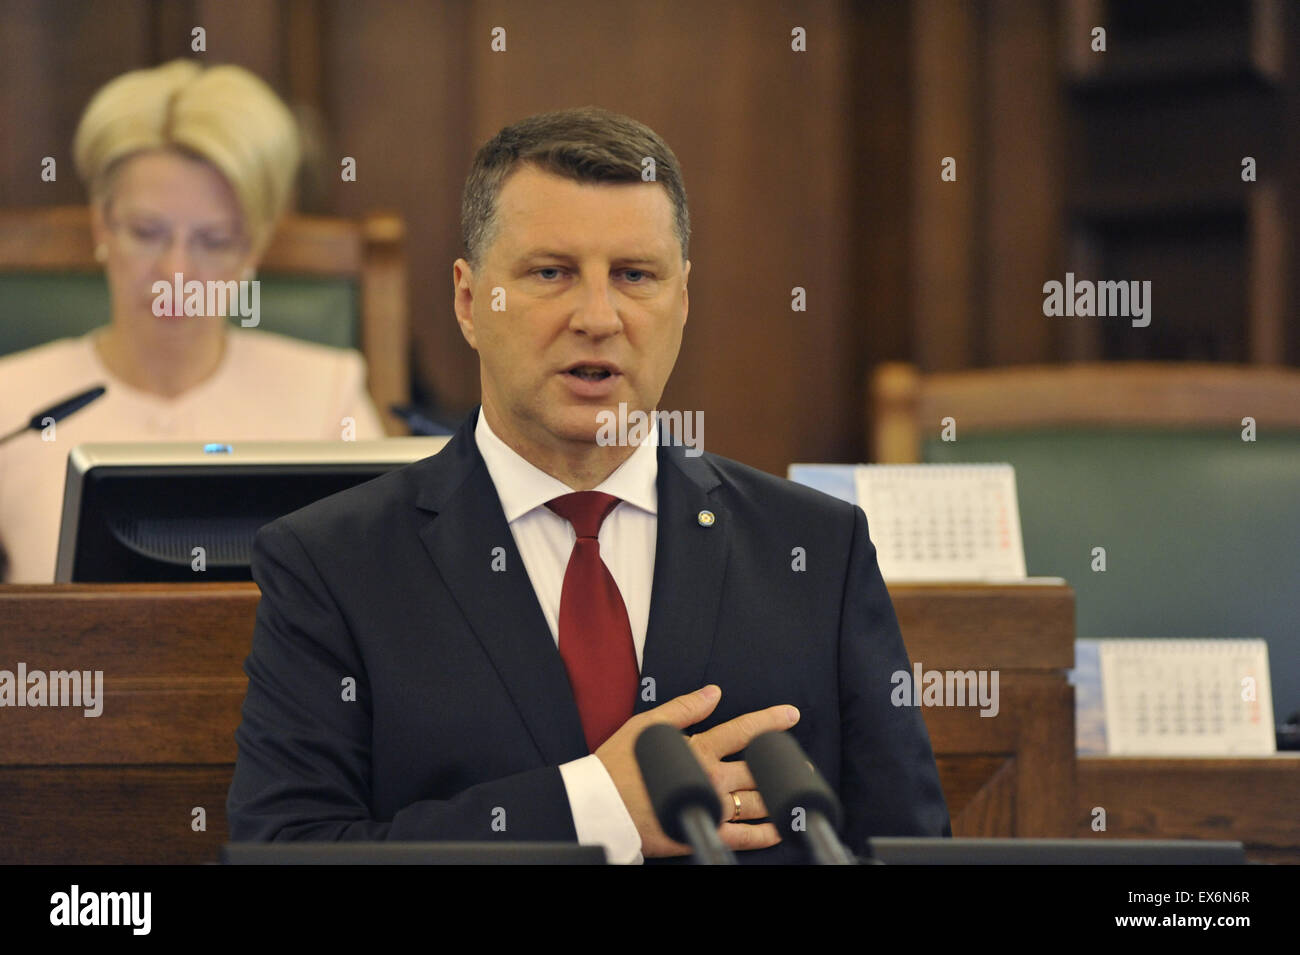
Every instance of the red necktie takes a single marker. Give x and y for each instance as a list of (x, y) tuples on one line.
[(595, 636)]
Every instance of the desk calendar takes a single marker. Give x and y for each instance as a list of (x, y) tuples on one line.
[(952, 522), (1180, 697)]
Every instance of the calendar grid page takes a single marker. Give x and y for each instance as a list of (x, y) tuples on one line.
[(943, 522), (1187, 697)]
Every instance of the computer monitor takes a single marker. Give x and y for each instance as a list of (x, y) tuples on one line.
[(139, 511)]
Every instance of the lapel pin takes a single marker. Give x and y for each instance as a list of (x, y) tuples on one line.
[(705, 518)]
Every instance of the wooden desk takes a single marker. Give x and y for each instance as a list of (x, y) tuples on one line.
[(122, 787), (1011, 774), (1255, 801)]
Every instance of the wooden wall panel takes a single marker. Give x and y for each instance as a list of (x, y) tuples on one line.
[(54, 54), (1024, 178), (249, 33), (1289, 176), (880, 327), (945, 107), (398, 97)]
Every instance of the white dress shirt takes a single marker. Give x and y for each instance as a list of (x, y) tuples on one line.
[(627, 546)]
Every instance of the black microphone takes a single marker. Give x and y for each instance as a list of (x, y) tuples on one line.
[(58, 412), (684, 800), (798, 799)]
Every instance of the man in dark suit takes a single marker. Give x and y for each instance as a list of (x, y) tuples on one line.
[(468, 647)]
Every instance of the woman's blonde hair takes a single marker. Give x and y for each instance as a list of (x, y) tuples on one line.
[(221, 114)]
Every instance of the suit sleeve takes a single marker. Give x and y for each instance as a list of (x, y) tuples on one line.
[(888, 778), (303, 769)]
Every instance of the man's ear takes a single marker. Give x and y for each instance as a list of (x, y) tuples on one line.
[(462, 284)]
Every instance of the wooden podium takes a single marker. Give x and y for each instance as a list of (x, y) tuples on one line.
[(1012, 774), (128, 786), (123, 787), (1247, 799)]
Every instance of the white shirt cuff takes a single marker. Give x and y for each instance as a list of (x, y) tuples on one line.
[(599, 815)]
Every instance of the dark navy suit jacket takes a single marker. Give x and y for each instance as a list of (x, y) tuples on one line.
[(462, 710)]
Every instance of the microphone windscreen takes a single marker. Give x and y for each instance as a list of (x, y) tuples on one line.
[(674, 778), (789, 782), (66, 407)]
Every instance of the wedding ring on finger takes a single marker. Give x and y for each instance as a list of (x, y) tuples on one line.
[(735, 800)]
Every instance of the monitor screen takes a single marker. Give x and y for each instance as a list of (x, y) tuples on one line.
[(189, 510)]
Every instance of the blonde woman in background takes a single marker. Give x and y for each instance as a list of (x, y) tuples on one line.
[(188, 170)]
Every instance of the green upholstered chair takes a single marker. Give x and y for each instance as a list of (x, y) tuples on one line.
[(332, 281), (1201, 529)]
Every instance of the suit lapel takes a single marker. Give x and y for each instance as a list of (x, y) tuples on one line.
[(501, 606), (690, 562)]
